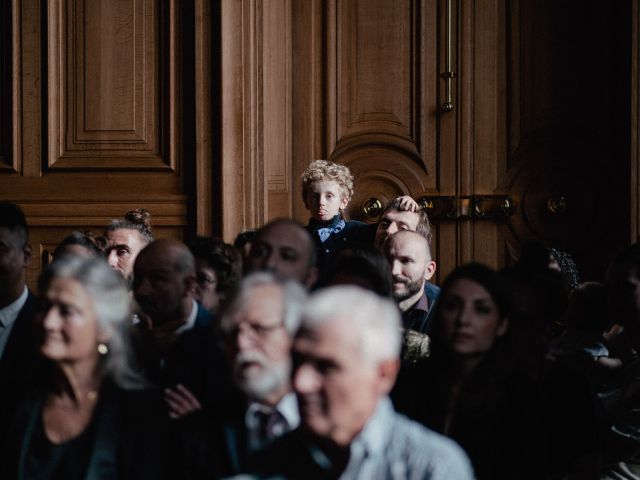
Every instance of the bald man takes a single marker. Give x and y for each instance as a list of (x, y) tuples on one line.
[(409, 256), (176, 346), (285, 248)]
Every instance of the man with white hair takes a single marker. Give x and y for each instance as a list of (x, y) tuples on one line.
[(258, 325), (346, 358)]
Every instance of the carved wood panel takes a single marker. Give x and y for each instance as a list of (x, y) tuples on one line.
[(551, 106), (97, 115), (6, 61), (106, 84)]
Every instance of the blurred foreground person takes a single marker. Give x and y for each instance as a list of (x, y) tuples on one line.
[(18, 306), (87, 414), (259, 323), (620, 393), (345, 362)]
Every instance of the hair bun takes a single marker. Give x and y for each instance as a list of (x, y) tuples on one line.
[(139, 216)]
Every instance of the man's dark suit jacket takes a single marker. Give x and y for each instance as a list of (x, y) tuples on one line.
[(213, 443), (20, 359)]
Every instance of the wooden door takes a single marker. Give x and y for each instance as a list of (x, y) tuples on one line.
[(541, 117), (98, 115), (545, 85)]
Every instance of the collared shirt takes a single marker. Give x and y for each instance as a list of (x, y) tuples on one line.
[(191, 319), (392, 447), (287, 408), (413, 317), (8, 316)]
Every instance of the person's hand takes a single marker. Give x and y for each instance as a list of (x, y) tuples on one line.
[(181, 402), (409, 204)]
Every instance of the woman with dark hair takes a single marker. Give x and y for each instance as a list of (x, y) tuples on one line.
[(81, 243), (470, 389), (88, 414)]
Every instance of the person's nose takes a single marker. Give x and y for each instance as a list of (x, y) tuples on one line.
[(305, 379), (113, 259), (271, 262), (396, 268), (322, 201), (243, 339), (142, 286), (51, 319)]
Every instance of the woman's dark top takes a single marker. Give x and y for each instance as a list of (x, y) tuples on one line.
[(128, 438), (60, 461)]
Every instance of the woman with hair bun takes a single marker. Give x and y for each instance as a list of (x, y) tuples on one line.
[(88, 414)]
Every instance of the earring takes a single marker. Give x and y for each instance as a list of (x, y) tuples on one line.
[(103, 349)]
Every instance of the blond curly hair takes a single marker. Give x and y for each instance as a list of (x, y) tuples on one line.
[(320, 170)]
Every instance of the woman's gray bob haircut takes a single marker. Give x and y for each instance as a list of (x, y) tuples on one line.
[(110, 298), (293, 298), (374, 319)]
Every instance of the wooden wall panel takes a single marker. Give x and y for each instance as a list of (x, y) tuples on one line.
[(97, 115), (6, 60), (381, 96), (105, 85)]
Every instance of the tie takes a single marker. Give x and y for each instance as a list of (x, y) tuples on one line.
[(271, 425)]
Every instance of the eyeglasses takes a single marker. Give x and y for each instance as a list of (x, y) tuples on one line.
[(252, 330), (203, 279)]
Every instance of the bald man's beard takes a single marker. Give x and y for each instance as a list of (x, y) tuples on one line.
[(409, 290)]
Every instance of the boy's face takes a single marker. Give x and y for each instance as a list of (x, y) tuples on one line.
[(324, 200)]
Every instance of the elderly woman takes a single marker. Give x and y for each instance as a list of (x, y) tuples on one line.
[(88, 415), (471, 389)]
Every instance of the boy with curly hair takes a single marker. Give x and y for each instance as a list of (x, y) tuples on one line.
[(327, 188)]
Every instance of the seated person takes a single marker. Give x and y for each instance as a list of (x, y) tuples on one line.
[(81, 243), (258, 323), (345, 361), (363, 266), (218, 270), (89, 414)]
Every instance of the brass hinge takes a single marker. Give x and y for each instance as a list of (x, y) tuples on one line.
[(490, 207)]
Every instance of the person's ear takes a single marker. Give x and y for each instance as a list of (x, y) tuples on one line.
[(311, 278), (502, 327), (387, 374), (430, 270), (344, 202), (26, 253), (189, 283)]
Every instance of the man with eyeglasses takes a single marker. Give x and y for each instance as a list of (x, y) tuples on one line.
[(258, 326), (218, 270)]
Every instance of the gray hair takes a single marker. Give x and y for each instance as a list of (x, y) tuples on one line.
[(374, 319), (293, 298), (110, 298)]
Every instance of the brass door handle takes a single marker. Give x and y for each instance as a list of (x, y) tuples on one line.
[(557, 205), (449, 75), (371, 208)]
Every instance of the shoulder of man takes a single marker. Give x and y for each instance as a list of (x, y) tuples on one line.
[(427, 453)]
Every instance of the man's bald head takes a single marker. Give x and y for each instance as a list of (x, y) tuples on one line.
[(285, 248), (164, 276), (409, 256), (172, 253)]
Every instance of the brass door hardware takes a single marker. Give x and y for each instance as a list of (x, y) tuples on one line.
[(490, 207), (449, 75), (557, 205), (449, 207), (372, 207)]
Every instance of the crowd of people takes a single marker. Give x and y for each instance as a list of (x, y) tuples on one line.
[(312, 352)]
